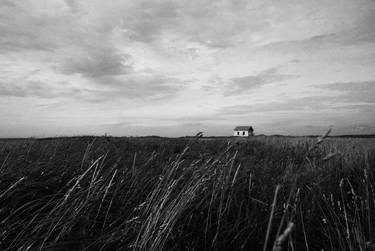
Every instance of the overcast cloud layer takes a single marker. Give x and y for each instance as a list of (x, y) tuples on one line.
[(178, 67)]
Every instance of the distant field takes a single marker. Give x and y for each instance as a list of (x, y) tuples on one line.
[(151, 193)]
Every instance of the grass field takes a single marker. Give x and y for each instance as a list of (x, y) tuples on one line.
[(105, 193)]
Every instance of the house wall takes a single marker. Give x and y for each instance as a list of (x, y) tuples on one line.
[(242, 133)]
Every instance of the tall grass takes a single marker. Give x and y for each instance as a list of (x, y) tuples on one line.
[(187, 194)]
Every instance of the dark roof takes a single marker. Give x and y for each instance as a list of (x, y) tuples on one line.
[(243, 128)]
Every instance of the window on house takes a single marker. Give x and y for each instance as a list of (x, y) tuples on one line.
[(238, 133), (243, 133)]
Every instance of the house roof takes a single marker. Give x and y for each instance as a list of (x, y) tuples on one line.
[(243, 128)]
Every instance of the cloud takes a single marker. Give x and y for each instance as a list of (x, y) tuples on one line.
[(73, 42), (351, 92), (250, 82), (97, 62), (146, 87), (74, 5), (108, 89), (25, 26), (313, 104), (33, 89), (79, 46), (194, 21), (146, 22), (308, 104)]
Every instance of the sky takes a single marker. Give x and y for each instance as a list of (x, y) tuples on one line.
[(178, 67)]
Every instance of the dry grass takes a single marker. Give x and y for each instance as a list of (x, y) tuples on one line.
[(187, 194)]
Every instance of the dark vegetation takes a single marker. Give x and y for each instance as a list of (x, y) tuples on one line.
[(105, 193)]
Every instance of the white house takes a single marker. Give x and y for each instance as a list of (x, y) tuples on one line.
[(243, 131)]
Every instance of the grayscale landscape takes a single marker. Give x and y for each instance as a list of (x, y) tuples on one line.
[(187, 125)]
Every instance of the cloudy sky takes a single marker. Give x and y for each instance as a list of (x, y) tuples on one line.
[(176, 67)]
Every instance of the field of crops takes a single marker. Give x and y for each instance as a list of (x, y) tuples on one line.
[(263, 193)]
